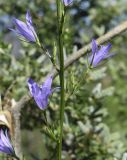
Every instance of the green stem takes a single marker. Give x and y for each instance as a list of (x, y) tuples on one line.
[(49, 56), (61, 75), (62, 103)]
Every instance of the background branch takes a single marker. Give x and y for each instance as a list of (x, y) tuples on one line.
[(81, 52), (70, 60)]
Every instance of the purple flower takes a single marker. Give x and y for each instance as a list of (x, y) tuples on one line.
[(25, 30), (40, 93), (5, 144), (67, 2), (99, 55)]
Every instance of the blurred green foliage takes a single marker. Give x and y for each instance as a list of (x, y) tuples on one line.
[(95, 113)]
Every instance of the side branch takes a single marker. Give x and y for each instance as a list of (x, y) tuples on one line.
[(20, 104)]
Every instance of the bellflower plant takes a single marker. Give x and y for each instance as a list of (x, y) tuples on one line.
[(67, 2), (99, 55), (5, 144), (41, 93), (25, 30)]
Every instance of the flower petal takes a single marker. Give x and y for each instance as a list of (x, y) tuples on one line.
[(47, 84), (105, 49), (30, 23), (5, 139), (40, 94), (33, 87), (42, 101), (99, 55), (20, 25), (5, 144), (67, 2), (94, 47), (109, 55), (28, 18), (25, 30)]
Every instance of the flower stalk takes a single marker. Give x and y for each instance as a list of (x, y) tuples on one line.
[(49, 56)]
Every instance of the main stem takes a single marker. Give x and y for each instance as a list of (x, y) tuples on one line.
[(61, 75)]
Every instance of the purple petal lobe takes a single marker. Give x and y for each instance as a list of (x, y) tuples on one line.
[(33, 87), (47, 83), (94, 47), (25, 30), (110, 55), (105, 49), (5, 144), (99, 55), (67, 2), (28, 18), (42, 93)]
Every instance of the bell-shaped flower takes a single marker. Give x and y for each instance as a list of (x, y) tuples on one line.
[(67, 2), (99, 55), (25, 30), (5, 143), (41, 93)]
